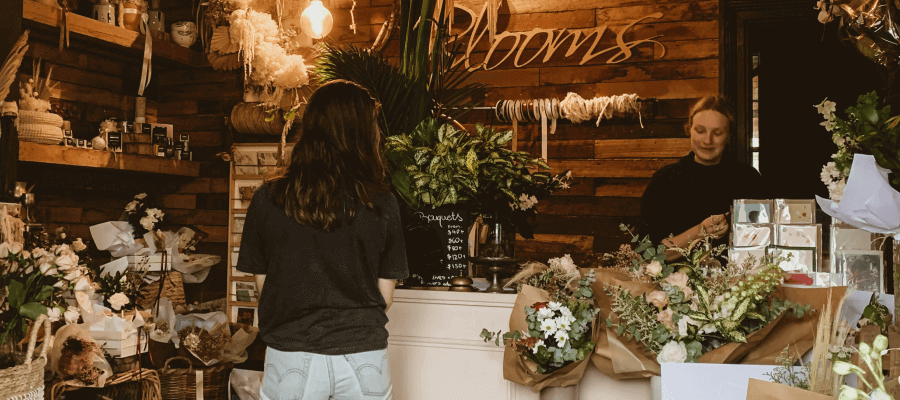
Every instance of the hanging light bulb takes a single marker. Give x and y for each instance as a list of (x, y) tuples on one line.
[(316, 21)]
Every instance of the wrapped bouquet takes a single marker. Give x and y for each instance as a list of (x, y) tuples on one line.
[(552, 326)]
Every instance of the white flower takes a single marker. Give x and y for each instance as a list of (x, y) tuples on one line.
[(554, 305), (26, 254), (564, 324), (877, 394), (118, 300), (545, 313), (826, 108), (39, 252), (66, 262), (836, 191), (672, 352), (71, 315), (683, 325), (78, 245), (147, 222), (561, 338), (829, 125), (653, 269), (549, 327), (707, 329), (567, 313), (526, 202), (73, 275), (540, 343), (15, 248), (53, 314), (131, 206), (61, 284), (155, 213), (47, 269), (141, 196), (4, 250)]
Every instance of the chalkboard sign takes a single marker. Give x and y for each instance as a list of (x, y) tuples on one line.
[(449, 249)]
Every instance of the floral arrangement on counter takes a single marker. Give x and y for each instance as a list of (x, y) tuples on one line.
[(437, 165), (867, 129), (557, 328), (141, 217), (696, 305), (36, 274)]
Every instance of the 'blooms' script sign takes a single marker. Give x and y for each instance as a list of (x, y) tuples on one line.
[(553, 41)]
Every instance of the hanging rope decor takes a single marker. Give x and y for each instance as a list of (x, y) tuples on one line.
[(577, 109)]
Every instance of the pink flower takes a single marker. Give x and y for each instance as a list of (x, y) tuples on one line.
[(680, 279), (665, 316), (658, 298)]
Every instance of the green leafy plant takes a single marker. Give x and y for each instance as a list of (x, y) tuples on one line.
[(877, 313), (786, 374)]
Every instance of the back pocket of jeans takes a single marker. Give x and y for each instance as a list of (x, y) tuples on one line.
[(372, 371), (285, 375)]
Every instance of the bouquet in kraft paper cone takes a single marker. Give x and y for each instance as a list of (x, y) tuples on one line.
[(552, 327), (694, 310)]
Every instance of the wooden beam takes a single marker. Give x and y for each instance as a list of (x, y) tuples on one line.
[(60, 155), (642, 148)]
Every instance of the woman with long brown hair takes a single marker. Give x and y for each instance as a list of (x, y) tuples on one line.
[(325, 244)]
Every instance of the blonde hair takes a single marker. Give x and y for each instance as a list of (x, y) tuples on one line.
[(714, 103)]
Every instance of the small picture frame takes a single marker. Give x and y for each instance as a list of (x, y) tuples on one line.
[(752, 235), (244, 292), (799, 236), (797, 259), (747, 211), (863, 269), (739, 255), (245, 315), (243, 192), (795, 211)]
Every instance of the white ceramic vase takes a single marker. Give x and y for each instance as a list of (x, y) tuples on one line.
[(184, 33), (560, 393)]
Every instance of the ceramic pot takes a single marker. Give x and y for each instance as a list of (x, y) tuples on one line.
[(105, 13), (131, 17), (184, 33), (559, 393)]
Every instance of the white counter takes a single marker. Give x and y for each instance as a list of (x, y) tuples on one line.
[(436, 353)]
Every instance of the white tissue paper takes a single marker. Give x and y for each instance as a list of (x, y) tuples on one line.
[(115, 236), (166, 313), (869, 202), (118, 326)]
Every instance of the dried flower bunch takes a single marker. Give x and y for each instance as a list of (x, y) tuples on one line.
[(261, 46), (77, 361), (204, 345), (698, 305), (785, 374), (34, 94)]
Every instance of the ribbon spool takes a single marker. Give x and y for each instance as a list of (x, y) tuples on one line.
[(250, 119)]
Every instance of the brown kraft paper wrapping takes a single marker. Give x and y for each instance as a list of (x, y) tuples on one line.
[(518, 369), (620, 359), (763, 390)]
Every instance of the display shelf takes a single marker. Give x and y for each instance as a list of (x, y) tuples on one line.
[(61, 155), (41, 16)]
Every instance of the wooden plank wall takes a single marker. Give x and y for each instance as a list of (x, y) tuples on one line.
[(612, 162)]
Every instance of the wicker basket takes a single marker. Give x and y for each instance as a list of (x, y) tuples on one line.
[(181, 383), (26, 381), (40, 127)]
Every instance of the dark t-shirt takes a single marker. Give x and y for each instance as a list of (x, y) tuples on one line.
[(682, 195), (321, 291)]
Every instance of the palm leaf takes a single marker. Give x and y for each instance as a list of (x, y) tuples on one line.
[(11, 65)]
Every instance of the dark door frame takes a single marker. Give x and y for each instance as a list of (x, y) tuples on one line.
[(736, 17)]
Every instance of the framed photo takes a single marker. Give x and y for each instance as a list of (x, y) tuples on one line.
[(739, 255), (752, 211), (244, 292), (245, 315), (802, 260), (238, 226), (864, 269), (752, 235), (799, 236), (791, 211), (243, 192)]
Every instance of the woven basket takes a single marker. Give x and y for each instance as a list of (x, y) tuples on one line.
[(26, 381), (181, 383), (40, 127)]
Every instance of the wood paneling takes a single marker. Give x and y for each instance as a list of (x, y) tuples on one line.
[(612, 161)]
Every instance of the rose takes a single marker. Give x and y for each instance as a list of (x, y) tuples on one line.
[(71, 315), (665, 316), (53, 314), (118, 300), (680, 279), (131, 206), (683, 325), (67, 261), (653, 269), (658, 298), (47, 269), (672, 352), (147, 222), (78, 245)]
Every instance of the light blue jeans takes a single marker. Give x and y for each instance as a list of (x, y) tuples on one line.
[(306, 376)]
